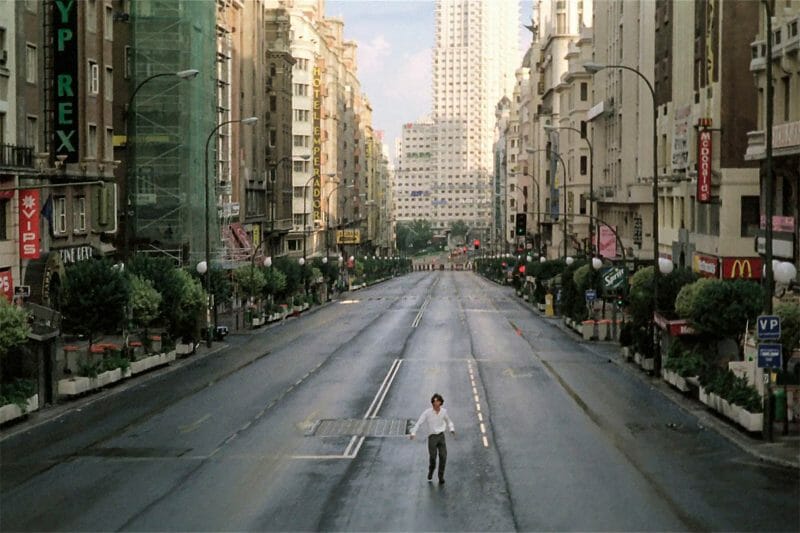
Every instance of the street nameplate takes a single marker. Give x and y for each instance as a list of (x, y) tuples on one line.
[(770, 356), (591, 295)]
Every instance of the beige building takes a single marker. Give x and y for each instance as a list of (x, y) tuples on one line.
[(786, 125)]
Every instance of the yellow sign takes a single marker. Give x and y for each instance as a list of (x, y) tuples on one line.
[(348, 236)]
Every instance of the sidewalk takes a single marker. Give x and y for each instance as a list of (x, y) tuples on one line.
[(784, 451)]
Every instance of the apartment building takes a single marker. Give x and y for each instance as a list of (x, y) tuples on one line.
[(785, 46), (417, 194), (57, 204), (474, 58)]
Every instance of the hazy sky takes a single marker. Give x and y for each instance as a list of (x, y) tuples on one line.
[(395, 43)]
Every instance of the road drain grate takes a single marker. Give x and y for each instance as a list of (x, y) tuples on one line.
[(365, 427)]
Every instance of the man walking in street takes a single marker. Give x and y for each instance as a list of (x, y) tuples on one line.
[(437, 421)]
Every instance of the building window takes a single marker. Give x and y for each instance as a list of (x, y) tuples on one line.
[(301, 166), (301, 89), (300, 141), (31, 63), (60, 215), (91, 142), (108, 84), (79, 223), (93, 75), (91, 15), (750, 216), (294, 245), (128, 63), (298, 193), (2, 128), (3, 219), (273, 138), (32, 133), (584, 165), (273, 102), (108, 146), (584, 91), (787, 98), (561, 23), (109, 24)]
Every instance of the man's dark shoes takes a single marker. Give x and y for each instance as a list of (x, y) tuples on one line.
[(441, 481), (430, 474)]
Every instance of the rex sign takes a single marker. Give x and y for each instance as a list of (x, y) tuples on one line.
[(65, 74), (704, 147), (741, 267)]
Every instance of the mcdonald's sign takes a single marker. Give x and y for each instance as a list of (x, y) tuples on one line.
[(741, 268)]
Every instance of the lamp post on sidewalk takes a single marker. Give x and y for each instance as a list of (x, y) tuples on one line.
[(563, 166), (305, 214), (207, 186), (188, 74), (592, 232), (594, 68)]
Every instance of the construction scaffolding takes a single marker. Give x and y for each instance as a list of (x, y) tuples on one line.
[(171, 119)]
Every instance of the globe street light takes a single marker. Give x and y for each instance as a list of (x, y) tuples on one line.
[(548, 127), (593, 68), (188, 74), (247, 121)]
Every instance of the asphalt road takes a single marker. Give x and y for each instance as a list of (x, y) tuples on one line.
[(551, 433)]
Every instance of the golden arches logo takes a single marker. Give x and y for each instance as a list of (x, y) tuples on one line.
[(741, 266)]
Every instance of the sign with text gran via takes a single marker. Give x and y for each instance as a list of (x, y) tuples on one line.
[(65, 73)]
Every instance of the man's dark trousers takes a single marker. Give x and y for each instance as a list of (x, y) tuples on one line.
[(436, 443)]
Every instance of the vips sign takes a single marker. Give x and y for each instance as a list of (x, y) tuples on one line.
[(741, 267), (29, 235), (704, 166)]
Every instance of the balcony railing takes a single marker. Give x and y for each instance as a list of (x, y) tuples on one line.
[(16, 156)]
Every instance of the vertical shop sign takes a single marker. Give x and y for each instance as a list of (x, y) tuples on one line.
[(65, 76), (7, 284), (29, 231), (704, 166), (317, 138)]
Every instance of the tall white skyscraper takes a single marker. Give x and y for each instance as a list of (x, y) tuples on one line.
[(475, 54)]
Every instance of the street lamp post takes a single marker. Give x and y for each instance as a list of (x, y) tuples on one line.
[(563, 166), (593, 68), (246, 121), (188, 74), (769, 200), (592, 233)]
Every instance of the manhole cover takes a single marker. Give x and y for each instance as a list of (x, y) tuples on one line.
[(365, 427)]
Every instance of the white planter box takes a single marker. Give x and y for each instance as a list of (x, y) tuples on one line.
[(750, 421), (602, 330), (525, 297), (306, 306), (73, 386), (703, 397), (137, 367), (587, 329), (183, 349), (675, 380), (106, 378), (540, 307), (626, 352), (12, 411)]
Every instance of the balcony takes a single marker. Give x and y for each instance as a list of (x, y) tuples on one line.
[(12, 156)]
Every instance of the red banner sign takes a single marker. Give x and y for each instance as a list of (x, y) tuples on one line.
[(779, 223), (741, 267), (608, 242), (704, 166), (705, 265), (29, 227), (7, 284)]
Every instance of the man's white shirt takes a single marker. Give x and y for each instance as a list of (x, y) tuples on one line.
[(436, 422)]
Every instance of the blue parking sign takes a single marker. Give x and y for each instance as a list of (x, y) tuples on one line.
[(770, 356), (768, 327)]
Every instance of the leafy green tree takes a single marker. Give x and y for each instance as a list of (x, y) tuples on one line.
[(684, 301), (187, 309), (724, 308), (144, 303), (459, 229), (94, 296), (274, 282), (789, 313), (15, 329), (250, 279), (293, 273)]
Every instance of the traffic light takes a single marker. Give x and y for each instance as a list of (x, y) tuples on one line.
[(476, 244), (521, 224)]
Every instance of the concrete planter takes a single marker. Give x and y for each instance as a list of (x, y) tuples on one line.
[(750, 421), (675, 380), (540, 307), (142, 365), (587, 329), (183, 349), (626, 353), (106, 378), (73, 386), (12, 411), (646, 363), (602, 329)]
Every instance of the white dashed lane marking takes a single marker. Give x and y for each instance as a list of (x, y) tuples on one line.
[(477, 405)]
